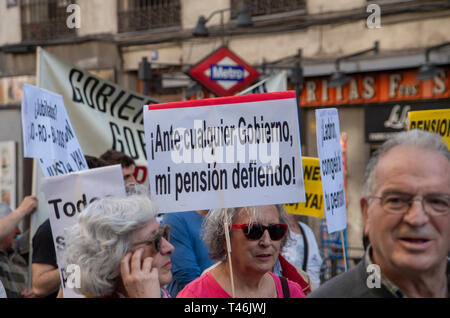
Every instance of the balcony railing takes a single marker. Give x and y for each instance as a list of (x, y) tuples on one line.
[(139, 15), (268, 7), (44, 20)]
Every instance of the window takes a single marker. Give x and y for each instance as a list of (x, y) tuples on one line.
[(267, 7), (45, 19), (139, 15)]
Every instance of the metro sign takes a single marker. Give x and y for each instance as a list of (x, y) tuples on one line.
[(223, 73)]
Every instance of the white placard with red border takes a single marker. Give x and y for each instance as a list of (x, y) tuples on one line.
[(224, 152), (48, 134)]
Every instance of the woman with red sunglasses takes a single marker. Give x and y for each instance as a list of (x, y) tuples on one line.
[(256, 236)]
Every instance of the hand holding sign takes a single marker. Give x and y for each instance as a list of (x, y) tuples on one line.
[(224, 152)]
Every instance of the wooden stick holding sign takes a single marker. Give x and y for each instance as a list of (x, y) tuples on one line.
[(226, 229), (343, 250)]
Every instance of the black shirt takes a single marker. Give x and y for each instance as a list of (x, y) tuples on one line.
[(44, 248)]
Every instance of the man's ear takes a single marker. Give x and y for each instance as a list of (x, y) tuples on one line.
[(364, 203)]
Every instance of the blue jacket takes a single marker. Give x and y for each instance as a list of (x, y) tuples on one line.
[(190, 257)]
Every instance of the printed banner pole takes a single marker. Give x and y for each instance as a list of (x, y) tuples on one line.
[(224, 152), (343, 249), (226, 229)]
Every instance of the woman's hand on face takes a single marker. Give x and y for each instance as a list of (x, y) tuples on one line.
[(139, 278)]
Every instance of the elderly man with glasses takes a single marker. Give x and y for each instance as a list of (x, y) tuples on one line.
[(405, 206)]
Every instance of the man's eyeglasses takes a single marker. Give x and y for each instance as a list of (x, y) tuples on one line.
[(255, 231), (156, 241), (398, 203)]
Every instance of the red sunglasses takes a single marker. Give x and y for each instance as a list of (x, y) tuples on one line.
[(256, 230)]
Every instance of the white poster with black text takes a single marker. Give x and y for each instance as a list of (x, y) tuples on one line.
[(224, 152), (66, 196), (331, 168)]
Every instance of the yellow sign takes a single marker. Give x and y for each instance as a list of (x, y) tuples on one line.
[(436, 120), (313, 190)]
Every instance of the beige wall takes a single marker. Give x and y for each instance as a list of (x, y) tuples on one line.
[(9, 24), (98, 16)]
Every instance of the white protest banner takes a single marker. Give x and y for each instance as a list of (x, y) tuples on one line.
[(66, 196), (331, 168), (274, 83), (224, 152), (48, 134), (103, 114)]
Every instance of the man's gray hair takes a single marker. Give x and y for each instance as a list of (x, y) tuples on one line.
[(101, 238), (213, 230), (415, 138)]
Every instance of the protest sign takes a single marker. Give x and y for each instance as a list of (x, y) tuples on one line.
[(331, 168), (314, 205), (103, 114), (48, 134), (66, 196), (224, 152), (436, 120)]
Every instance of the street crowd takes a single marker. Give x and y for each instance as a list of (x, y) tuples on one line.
[(124, 248)]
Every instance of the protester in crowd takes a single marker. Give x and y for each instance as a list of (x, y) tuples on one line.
[(113, 157), (46, 278), (405, 206), (190, 257), (283, 268), (256, 234), (9, 220), (13, 267), (121, 249), (301, 249)]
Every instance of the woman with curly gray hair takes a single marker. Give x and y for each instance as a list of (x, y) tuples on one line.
[(120, 249), (256, 236)]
